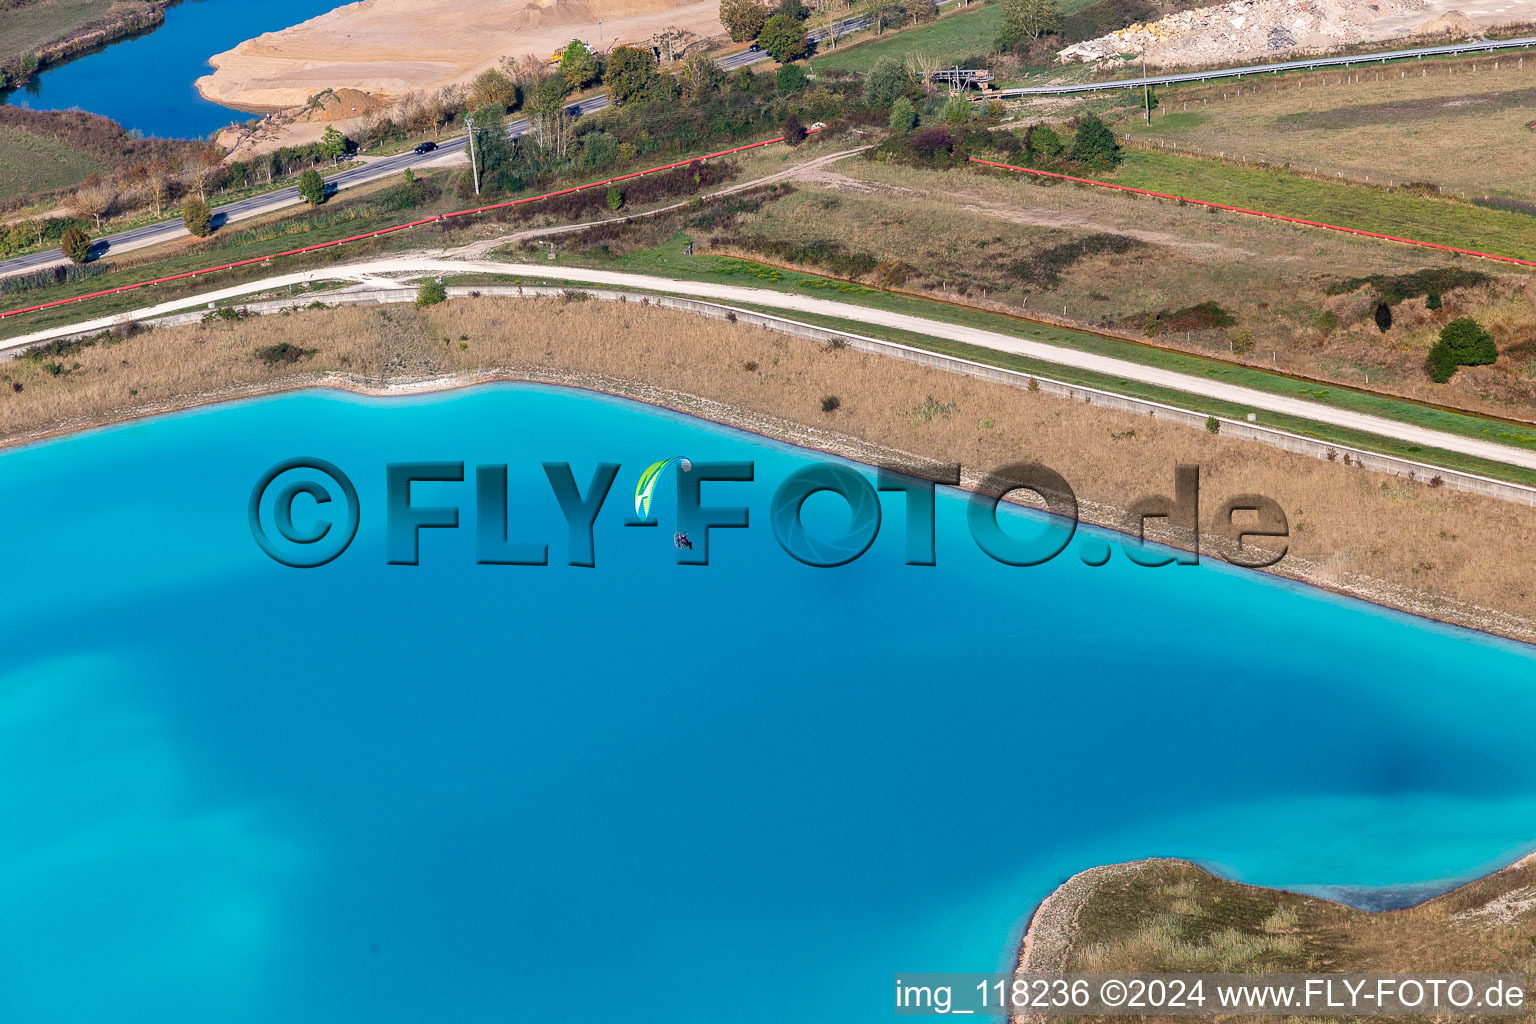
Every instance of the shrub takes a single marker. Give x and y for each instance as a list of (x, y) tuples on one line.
[(615, 198), (76, 245), (903, 116), (1323, 320), (957, 110), (431, 292), (1242, 341), (830, 403), (1043, 269), (196, 217), (832, 256), (1094, 144), (312, 187), (1042, 140), (887, 79), (930, 142), (1383, 317), (1463, 342), (1199, 317), (1394, 288), (1432, 301), (791, 78), (283, 352), (794, 131), (1213, 425)]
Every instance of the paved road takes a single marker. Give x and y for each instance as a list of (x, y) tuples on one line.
[(1119, 368), (447, 152), (1268, 69)]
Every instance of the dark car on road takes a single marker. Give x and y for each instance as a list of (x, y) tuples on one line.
[(754, 48), (426, 147)]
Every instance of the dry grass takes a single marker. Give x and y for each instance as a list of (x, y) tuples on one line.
[(1437, 121), (1144, 920), (1435, 550), (961, 231)]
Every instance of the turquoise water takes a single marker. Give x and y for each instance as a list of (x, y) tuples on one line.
[(145, 83), (246, 793)]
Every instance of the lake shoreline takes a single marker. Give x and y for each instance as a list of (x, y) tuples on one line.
[(92, 36), (1052, 929), (1109, 517)]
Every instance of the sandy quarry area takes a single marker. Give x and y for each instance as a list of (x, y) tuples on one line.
[(391, 47), (1260, 30)]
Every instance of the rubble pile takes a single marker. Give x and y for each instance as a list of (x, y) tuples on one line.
[(1244, 29)]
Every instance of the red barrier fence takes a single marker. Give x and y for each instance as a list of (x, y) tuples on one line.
[(385, 231), (1259, 213)]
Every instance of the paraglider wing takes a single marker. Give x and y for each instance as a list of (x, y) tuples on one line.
[(645, 489)]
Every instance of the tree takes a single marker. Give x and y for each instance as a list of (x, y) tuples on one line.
[(790, 78), (794, 131), (1031, 18), (700, 77), (577, 66), (492, 147), (76, 245), (631, 71), (312, 187), (157, 185), (94, 200), (919, 11), (903, 116), (887, 79), (1094, 143), (549, 95), (333, 144), (492, 86), (957, 110), (1383, 317), (793, 9), (743, 19), (26, 66), (784, 38), (196, 217), (879, 11), (1463, 342)]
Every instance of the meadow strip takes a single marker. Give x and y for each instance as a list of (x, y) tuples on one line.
[(1257, 213)]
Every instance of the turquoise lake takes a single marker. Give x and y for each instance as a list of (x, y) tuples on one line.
[(145, 82), (454, 792)]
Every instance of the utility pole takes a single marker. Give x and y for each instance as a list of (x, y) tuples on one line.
[(469, 122), (1146, 90)]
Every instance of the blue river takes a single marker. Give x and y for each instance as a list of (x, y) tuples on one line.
[(757, 790), (145, 82)]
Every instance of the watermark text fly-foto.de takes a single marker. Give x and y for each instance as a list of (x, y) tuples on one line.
[(305, 512)]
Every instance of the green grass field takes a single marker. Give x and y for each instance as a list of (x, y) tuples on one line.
[(24, 29), (961, 34), (1405, 215), (31, 163)]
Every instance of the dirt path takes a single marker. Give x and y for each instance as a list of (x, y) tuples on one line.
[(477, 250), (419, 266)]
